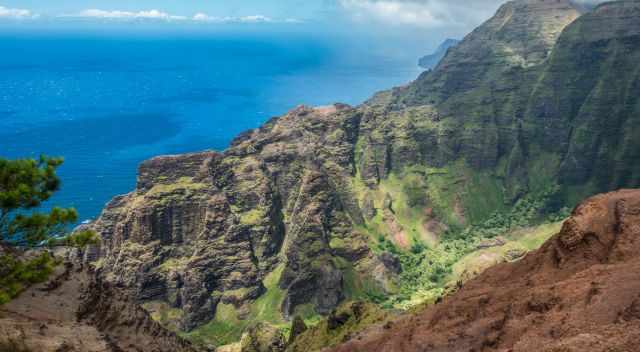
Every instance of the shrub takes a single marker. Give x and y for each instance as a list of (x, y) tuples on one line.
[(16, 275)]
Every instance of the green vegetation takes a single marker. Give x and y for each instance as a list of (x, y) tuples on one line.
[(433, 221), (227, 327), (16, 275), (79, 239), (267, 307), (356, 286), (252, 217), (428, 272), (533, 238), (174, 264), (183, 183), (345, 321), (530, 210), (519, 241), (164, 314), (24, 185)]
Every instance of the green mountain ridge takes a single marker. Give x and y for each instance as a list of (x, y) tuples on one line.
[(387, 202)]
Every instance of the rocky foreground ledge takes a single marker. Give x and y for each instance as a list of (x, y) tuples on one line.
[(579, 292), (77, 312)]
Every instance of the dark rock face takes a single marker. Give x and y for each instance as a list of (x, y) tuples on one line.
[(109, 309), (203, 229), (472, 97), (298, 327)]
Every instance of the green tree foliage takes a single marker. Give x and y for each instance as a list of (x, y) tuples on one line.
[(426, 270), (415, 192), (16, 275), (25, 184), (79, 239)]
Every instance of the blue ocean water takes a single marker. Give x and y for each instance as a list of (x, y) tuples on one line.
[(105, 103)]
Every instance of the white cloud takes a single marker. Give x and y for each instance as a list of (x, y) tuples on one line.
[(199, 17), (203, 17), (16, 13), (394, 12), (428, 13), (127, 15), (255, 18)]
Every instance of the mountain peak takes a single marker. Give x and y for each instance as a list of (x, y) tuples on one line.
[(616, 19), (522, 32)]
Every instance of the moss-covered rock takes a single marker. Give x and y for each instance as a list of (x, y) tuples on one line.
[(339, 326), (262, 337), (298, 327)]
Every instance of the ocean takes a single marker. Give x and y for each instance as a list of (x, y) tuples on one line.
[(106, 103)]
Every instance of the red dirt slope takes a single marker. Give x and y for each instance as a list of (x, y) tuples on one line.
[(579, 292)]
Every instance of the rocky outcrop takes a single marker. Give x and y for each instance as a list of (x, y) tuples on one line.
[(579, 292), (123, 321), (262, 337), (73, 312), (204, 229), (298, 327), (339, 326)]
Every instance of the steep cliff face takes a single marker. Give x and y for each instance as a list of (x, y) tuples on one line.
[(290, 218), (471, 107), (206, 229), (517, 94), (579, 292), (590, 91)]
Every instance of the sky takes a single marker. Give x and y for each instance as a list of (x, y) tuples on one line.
[(434, 14), (428, 22)]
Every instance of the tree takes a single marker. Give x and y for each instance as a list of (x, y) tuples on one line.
[(24, 185)]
